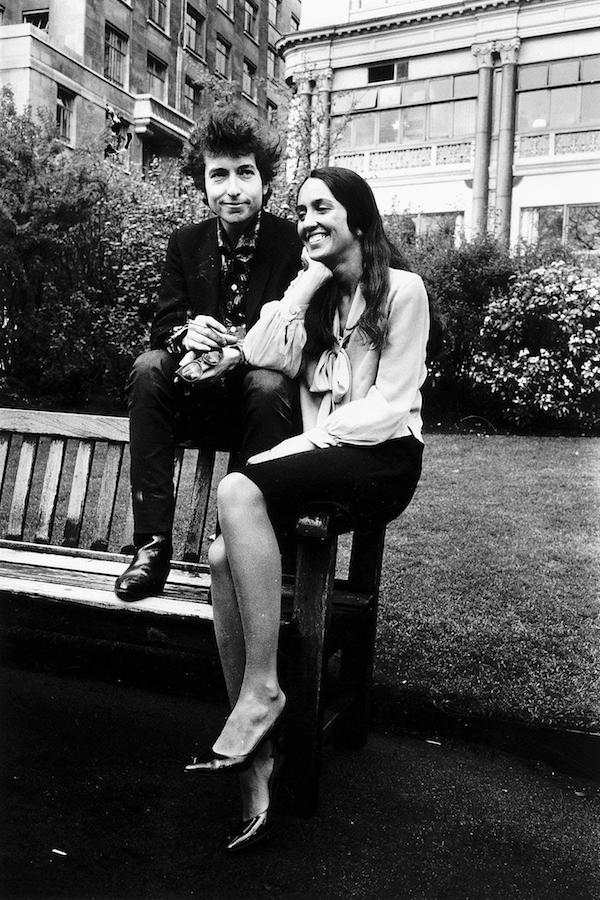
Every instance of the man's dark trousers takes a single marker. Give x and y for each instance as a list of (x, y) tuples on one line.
[(246, 412)]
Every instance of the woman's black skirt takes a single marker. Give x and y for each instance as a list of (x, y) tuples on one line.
[(362, 486)]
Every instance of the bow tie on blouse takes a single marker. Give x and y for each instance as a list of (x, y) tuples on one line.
[(333, 373)]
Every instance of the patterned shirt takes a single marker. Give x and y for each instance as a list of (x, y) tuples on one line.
[(235, 272), (233, 281)]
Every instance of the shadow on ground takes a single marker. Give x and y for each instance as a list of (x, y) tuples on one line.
[(97, 805)]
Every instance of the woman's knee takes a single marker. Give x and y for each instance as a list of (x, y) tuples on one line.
[(236, 492)]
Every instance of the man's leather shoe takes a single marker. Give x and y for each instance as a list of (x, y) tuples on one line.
[(148, 571)]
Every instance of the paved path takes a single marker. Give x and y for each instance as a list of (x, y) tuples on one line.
[(94, 770)]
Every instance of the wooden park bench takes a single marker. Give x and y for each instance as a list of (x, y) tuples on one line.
[(65, 532)]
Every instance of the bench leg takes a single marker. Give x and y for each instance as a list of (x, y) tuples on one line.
[(312, 612), (358, 652)]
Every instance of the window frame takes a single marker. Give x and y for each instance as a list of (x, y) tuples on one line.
[(192, 13), (274, 56), (580, 124), (162, 66), (565, 209), (67, 115), (150, 16), (219, 39), (294, 20), (276, 4), (36, 12), (226, 7), (251, 13), (123, 55), (195, 99), (249, 66)]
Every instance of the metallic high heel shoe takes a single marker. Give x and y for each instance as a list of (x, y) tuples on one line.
[(258, 828), (220, 763)]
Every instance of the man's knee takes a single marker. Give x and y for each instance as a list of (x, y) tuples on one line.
[(266, 384), (151, 368)]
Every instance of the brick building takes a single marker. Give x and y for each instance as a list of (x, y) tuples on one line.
[(471, 116), (140, 66)]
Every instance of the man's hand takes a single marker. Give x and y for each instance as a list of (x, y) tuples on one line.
[(205, 333), (297, 444), (231, 358)]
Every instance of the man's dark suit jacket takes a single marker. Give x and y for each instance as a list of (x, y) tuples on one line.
[(190, 278)]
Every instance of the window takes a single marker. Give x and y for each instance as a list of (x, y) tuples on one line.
[(250, 18), (192, 98), (560, 94), (249, 79), (194, 30), (294, 23), (271, 63), (226, 6), (410, 124), (157, 77), (38, 17), (578, 226), (1, 15), (222, 57), (157, 13), (115, 55), (382, 72), (64, 114), (274, 12), (271, 113), (583, 227)]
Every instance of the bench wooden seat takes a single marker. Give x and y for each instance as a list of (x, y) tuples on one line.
[(65, 528)]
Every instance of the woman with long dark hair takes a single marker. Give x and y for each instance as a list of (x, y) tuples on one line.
[(353, 326)]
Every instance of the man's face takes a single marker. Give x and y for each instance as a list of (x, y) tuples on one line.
[(234, 190)]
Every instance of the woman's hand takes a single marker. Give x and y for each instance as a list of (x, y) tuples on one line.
[(298, 444), (314, 269)]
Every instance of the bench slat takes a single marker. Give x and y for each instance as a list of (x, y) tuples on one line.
[(93, 565), (72, 425), (79, 487), (49, 495), (199, 506), (18, 507), (4, 448), (105, 599), (108, 495)]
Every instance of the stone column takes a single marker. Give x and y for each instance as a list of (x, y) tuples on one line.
[(322, 121), (483, 128), (509, 52), (299, 127)]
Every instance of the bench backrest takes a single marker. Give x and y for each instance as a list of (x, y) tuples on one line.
[(64, 480)]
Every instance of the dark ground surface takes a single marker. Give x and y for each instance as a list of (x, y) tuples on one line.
[(94, 769)]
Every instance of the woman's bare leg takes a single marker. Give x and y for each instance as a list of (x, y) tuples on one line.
[(230, 643), (255, 565)]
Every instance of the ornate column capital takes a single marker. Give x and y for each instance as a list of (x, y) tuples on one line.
[(483, 54), (302, 82), (323, 79), (509, 50)]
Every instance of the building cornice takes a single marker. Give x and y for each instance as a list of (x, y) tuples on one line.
[(461, 9)]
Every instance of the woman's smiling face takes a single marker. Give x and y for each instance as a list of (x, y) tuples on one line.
[(323, 224)]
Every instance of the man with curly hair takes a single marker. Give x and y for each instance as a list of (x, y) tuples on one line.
[(216, 277)]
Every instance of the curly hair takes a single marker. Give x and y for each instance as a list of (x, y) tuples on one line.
[(228, 131)]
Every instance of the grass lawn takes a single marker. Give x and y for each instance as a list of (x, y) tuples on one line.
[(490, 586)]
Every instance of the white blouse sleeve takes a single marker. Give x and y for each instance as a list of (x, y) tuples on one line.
[(388, 403), (277, 340)]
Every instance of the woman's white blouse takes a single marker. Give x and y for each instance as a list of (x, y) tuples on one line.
[(353, 393)]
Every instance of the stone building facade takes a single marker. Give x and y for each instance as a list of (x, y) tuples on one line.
[(141, 66), (473, 116)]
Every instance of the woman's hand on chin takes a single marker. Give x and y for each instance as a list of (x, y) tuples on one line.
[(297, 444), (314, 268)]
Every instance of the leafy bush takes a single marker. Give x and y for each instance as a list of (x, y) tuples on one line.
[(539, 348), (461, 281), (82, 244)]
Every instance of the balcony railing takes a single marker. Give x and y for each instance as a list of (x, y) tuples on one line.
[(557, 143), (150, 113), (455, 153)]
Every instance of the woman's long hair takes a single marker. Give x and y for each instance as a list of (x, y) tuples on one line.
[(378, 256)]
